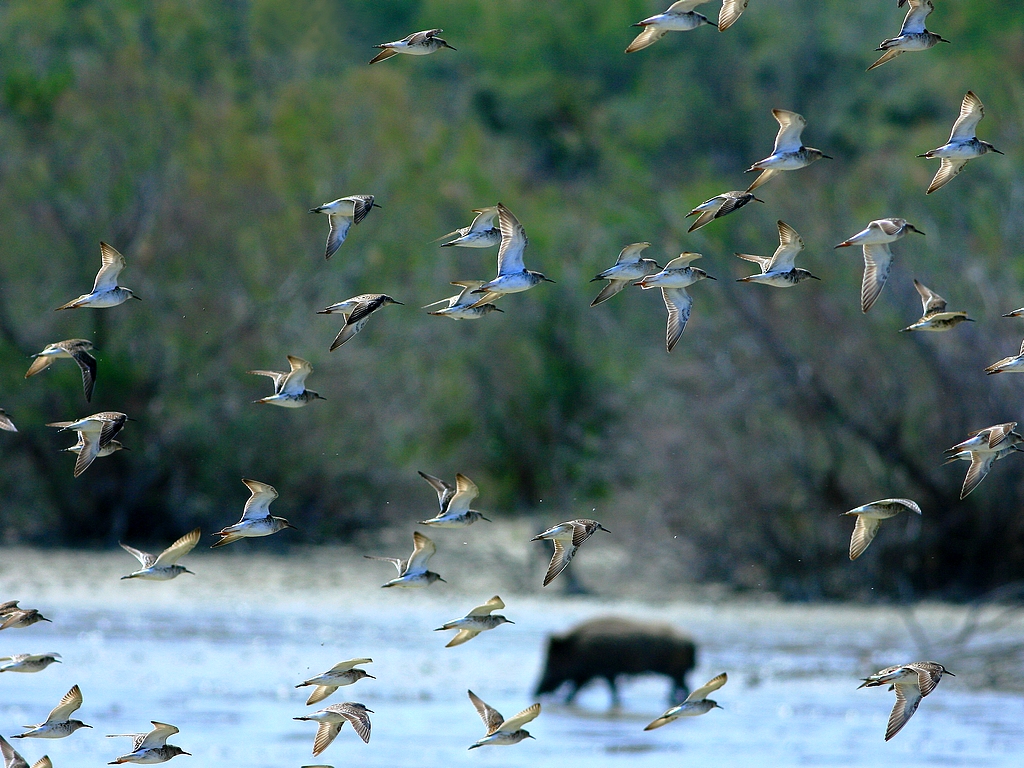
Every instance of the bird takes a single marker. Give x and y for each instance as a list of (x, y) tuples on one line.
[(13, 760), (164, 566), (94, 433), (290, 387), (331, 720), (913, 36), (789, 153), (256, 518), (478, 620), (480, 234), (989, 439), (413, 573), (1015, 313), (697, 703), (342, 214), (567, 538), (112, 447), (512, 277), (629, 266), (356, 312), (148, 748), (1012, 364), (28, 662), (934, 316), (874, 240), (454, 502), (870, 516), (5, 422), (465, 305), (719, 206), (343, 673), (502, 732), (679, 17), (73, 349), (416, 44), (105, 290), (780, 270), (981, 464), (58, 723), (731, 11), (13, 617), (912, 683), (673, 280), (963, 144)]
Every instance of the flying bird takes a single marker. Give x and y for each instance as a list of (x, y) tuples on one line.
[(256, 518), (912, 682), (28, 662), (13, 760), (673, 281), (466, 304), (963, 144), (478, 620), (780, 269), (331, 720), (342, 214), (94, 433), (935, 317), (356, 311), (629, 266), (416, 44), (913, 36), (71, 349), (480, 234), (58, 723), (105, 290), (513, 276), (413, 573), (502, 732), (164, 566), (343, 673), (697, 703), (454, 502), (5, 422), (789, 153), (290, 387), (719, 206), (1012, 364), (874, 241), (13, 617), (680, 17), (149, 748), (567, 538), (870, 516)]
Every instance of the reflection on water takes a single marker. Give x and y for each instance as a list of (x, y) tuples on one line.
[(219, 657)]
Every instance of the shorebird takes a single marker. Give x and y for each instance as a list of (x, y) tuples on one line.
[(290, 387), (416, 44), (480, 234), (256, 518), (719, 206), (13, 617), (343, 673), (13, 760), (356, 312), (1015, 313), (912, 682), (58, 723), (94, 433), (870, 516), (413, 573), (680, 17), (105, 291), (989, 439), (72, 349), (934, 316), (780, 270), (789, 153), (112, 447), (502, 732), (5, 422), (465, 305), (512, 277), (697, 703), (342, 214), (28, 662), (673, 280), (963, 144), (731, 11), (875, 241), (331, 720), (913, 36), (1012, 364), (628, 267), (164, 566), (149, 747), (567, 538), (476, 621), (981, 464), (454, 502)]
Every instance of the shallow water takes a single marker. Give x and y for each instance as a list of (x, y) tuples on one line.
[(219, 655)]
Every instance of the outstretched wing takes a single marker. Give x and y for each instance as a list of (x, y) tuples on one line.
[(492, 718), (294, 383), (914, 23), (981, 463), (443, 488), (72, 701), (423, 549), (790, 244), (466, 491), (513, 242), (709, 687), (143, 557), (179, 549), (113, 262), (791, 126), (678, 303), (493, 604), (520, 719), (908, 697), (863, 534), (485, 219), (971, 112), (731, 11), (948, 169), (930, 300), (258, 505), (877, 263), (158, 736)]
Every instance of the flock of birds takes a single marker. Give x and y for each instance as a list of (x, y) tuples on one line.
[(497, 226)]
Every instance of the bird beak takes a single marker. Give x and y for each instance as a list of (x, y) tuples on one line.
[(399, 303), (814, 277), (497, 309), (912, 228), (996, 150), (602, 528), (374, 205), (289, 525), (844, 244), (947, 672), (86, 726), (371, 711), (371, 676), (187, 753), (758, 199), (549, 280), (709, 277), (45, 619), (440, 579), (491, 521), (828, 157), (944, 40), (509, 622), (140, 299), (188, 571)]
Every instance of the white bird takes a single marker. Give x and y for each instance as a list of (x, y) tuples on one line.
[(290, 387), (679, 17), (875, 241), (13, 760), (105, 290), (416, 44), (5, 422), (719, 206), (466, 304), (58, 723), (629, 266), (512, 277), (94, 433), (342, 214), (789, 153), (981, 464), (342, 673), (413, 573), (256, 518), (28, 662), (934, 316), (454, 502), (164, 566), (567, 538), (476, 621), (989, 439), (149, 748), (1011, 364), (697, 703), (780, 270), (913, 36), (331, 720), (356, 312), (963, 144), (480, 234), (912, 683), (673, 281), (70, 349), (870, 516), (502, 732)]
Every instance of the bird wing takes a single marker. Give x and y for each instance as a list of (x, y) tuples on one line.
[(948, 169), (90, 450), (494, 604), (930, 300), (582, 530), (764, 178), (981, 463), (277, 376), (41, 363), (443, 488), (257, 506), (387, 53), (358, 717), (398, 562), (683, 259), (143, 557), (684, 6), (484, 219), (999, 432), (361, 205), (520, 719), (6, 423), (11, 758), (72, 700), (790, 244), (706, 216), (513, 242), (877, 263), (709, 687), (731, 11), (347, 332), (762, 261), (648, 37), (110, 423), (464, 495), (42, 762), (907, 699), (113, 262), (863, 533), (418, 38), (927, 678), (631, 252), (327, 732), (340, 225), (88, 365), (462, 636), (791, 126), (179, 549), (158, 736), (423, 549), (678, 303), (492, 718), (345, 666), (612, 287), (560, 558), (370, 304), (919, 11), (294, 382), (971, 112)]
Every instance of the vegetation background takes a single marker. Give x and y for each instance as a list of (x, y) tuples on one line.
[(193, 135)]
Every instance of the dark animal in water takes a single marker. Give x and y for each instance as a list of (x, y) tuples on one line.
[(608, 647)]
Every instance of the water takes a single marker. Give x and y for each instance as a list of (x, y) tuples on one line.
[(219, 654)]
